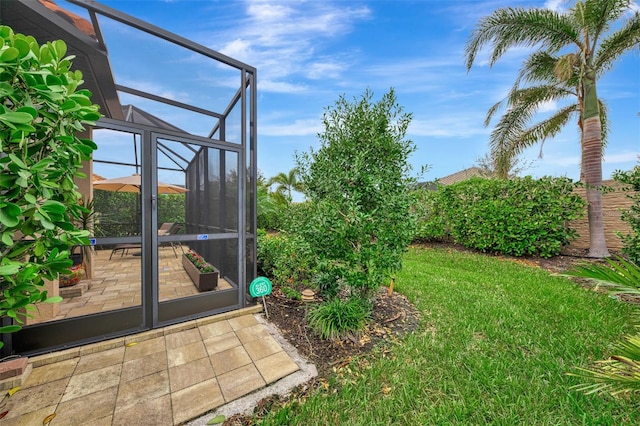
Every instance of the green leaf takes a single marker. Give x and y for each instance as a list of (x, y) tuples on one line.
[(60, 48), (5, 89), (10, 268), (52, 206), (9, 54), (9, 215), (10, 329), (7, 181), (18, 161), (29, 110), (24, 49), (220, 418), (7, 238), (30, 198), (16, 117)]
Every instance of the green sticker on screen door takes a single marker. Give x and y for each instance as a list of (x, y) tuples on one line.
[(259, 287)]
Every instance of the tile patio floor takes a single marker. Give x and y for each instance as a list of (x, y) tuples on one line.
[(160, 377), (117, 284)]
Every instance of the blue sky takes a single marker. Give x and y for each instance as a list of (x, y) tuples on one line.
[(308, 53)]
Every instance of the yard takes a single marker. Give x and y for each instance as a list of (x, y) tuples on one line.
[(493, 345)]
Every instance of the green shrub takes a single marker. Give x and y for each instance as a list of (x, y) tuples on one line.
[(631, 241), (516, 217), (358, 218), (285, 258), (42, 110), (336, 318), (429, 206)]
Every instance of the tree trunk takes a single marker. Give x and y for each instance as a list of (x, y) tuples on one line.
[(592, 163), (592, 170)]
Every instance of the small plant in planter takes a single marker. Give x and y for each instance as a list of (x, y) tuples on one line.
[(198, 261), (41, 111), (203, 274)]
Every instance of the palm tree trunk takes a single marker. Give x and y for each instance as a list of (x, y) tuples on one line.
[(592, 167)]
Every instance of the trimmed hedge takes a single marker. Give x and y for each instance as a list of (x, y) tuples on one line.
[(517, 217)]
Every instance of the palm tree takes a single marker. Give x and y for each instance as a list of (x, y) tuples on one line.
[(575, 49), (287, 183)]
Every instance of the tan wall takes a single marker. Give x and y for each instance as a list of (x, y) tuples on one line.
[(613, 203)]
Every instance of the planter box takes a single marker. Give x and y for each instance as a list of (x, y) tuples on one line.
[(203, 281)]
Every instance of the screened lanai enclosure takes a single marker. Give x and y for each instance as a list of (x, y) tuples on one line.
[(173, 178)]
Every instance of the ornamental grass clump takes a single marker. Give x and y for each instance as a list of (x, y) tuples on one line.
[(337, 318), (198, 261)]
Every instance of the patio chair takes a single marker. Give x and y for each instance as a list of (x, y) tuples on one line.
[(174, 228), (165, 228)]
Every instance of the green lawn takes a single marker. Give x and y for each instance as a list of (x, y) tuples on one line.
[(495, 343)]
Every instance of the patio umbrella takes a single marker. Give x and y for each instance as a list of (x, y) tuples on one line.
[(132, 184)]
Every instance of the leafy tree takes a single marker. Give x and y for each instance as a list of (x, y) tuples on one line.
[(41, 111), (358, 220), (574, 50), (489, 168), (271, 205), (286, 183)]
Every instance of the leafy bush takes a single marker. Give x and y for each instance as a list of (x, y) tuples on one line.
[(517, 217), (336, 318), (358, 217), (632, 216), (429, 210), (283, 257), (42, 110)]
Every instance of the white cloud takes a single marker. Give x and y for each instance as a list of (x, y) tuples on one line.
[(281, 87), (461, 125), (555, 5), (155, 89), (282, 38), (302, 127), (623, 157), (320, 70), (548, 106)]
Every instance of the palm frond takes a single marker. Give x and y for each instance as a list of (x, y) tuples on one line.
[(522, 105), (618, 374), (621, 372), (617, 275), (625, 39), (537, 68), (598, 15), (492, 111), (510, 27), (548, 128)]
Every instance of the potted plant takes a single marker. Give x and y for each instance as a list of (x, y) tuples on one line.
[(41, 112), (203, 274)]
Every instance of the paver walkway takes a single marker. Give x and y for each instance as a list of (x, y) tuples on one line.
[(161, 377)]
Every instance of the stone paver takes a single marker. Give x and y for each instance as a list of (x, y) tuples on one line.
[(196, 400), (262, 348), (191, 373), (93, 381), (230, 359), (276, 366), (160, 377), (240, 381)]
